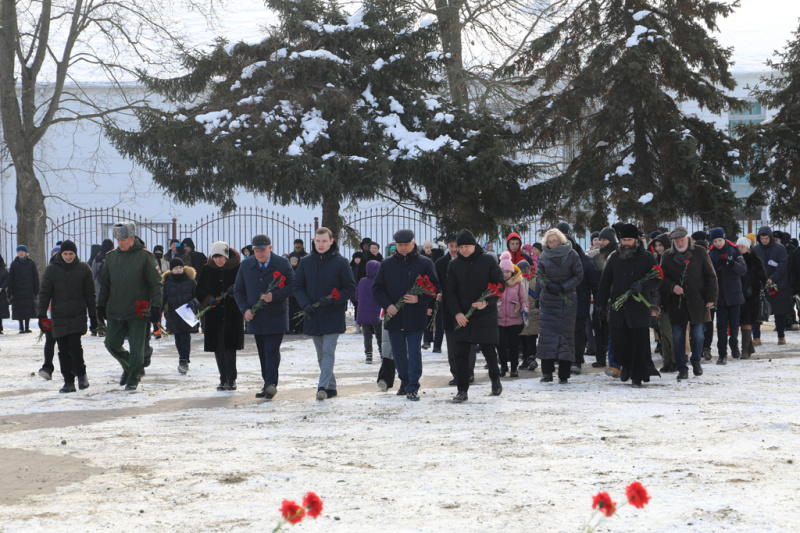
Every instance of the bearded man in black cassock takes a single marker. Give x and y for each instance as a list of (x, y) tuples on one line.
[(630, 325)]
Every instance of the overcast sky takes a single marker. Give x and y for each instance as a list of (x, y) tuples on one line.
[(755, 30)]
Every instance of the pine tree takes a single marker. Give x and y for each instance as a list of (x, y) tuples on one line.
[(773, 147), (328, 109), (608, 80)]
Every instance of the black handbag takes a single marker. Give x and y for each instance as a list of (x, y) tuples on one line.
[(764, 307)]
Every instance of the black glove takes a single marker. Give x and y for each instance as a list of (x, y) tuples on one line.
[(309, 310), (637, 287), (101, 312), (325, 302), (212, 302), (92, 322), (155, 314), (555, 288), (536, 303), (229, 290)]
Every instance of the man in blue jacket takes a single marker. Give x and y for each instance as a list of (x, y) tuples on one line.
[(396, 276), (730, 267), (318, 274), (256, 274)]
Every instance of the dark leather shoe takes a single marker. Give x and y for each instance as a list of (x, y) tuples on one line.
[(452, 382), (68, 387), (546, 378), (683, 374), (83, 382), (598, 365), (497, 387), (262, 393), (231, 385), (625, 373), (697, 369), (123, 379)]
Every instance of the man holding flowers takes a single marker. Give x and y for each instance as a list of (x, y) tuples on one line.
[(262, 289), (404, 285), (629, 278), (474, 282), (692, 288), (130, 279), (323, 284)]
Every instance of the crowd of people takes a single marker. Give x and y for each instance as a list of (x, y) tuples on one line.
[(545, 305)]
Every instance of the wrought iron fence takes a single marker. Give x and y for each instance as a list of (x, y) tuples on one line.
[(91, 226)]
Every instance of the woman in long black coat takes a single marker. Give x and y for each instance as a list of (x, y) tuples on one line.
[(468, 276), (224, 329), (752, 284), (3, 296), (776, 263), (23, 288), (562, 267)]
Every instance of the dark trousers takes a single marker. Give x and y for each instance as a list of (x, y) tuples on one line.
[(183, 342), (727, 319), (780, 327), (631, 347), (387, 371), (269, 355), (24, 324), (508, 348), (465, 363), (226, 358), (438, 332), (601, 341), (49, 351), (708, 331), (427, 336), (368, 330), (549, 367), (528, 345), (70, 357), (452, 353), (580, 340)]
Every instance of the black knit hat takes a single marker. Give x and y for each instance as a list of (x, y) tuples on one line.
[(608, 234), (175, 262), (465, 237), (69, 246)]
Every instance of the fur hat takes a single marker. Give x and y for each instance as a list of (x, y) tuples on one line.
[(505, 261), (699, 236), (744, 241), (717, 233), (220, 248), (123, 230), (176, 262), (524, 267)]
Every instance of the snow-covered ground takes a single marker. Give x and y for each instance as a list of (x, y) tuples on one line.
[(717, 453)]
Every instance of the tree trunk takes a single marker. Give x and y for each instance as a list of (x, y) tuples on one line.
[(330, 215), (31, 211), (448, 13)]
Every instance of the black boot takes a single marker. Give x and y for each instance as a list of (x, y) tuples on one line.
[(722, 360), (68, 387)]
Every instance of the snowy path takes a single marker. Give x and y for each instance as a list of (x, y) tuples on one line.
[(717, 453)]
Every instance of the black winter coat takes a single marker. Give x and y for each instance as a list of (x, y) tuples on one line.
[(729, 275), (441, 266), (794, 271), (587, 288), (467, 279), (316, 276), (179, 290), (778, 272), (68, 290), (396, 276), (753, 283), (23, 288), (618, 276), (556, 318), (211, 283), (3, 287), (699, 284)]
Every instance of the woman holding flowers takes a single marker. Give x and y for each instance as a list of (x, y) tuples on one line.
[(473, 286), (224, 334), (560, 272)]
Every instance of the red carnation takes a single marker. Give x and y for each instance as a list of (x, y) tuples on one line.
[(603, 503), (313, 504), (281, 285), (283, 279), (724, 256), (335, 294), (686, 261), (276, 274), (292, 512), (637, 495), (660, 271)]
